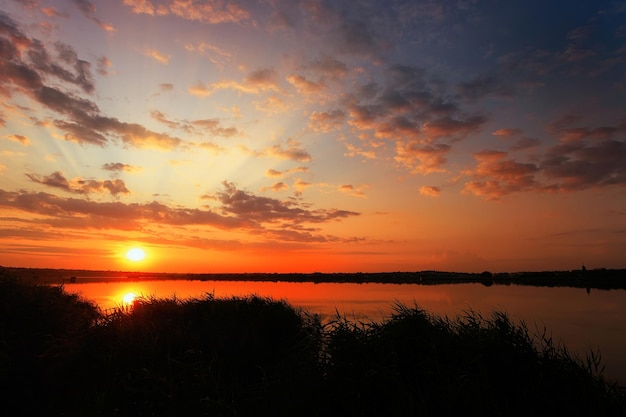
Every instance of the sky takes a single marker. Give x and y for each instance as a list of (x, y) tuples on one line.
[(313, 135)]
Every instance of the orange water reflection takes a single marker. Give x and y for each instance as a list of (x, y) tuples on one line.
[(580, 320)]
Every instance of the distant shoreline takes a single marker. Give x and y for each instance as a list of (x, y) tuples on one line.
[(606, 279)]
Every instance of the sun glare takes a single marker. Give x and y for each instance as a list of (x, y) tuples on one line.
[(128, 298), (135, 254)]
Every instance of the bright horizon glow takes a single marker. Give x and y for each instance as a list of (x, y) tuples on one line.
[(255, 136)]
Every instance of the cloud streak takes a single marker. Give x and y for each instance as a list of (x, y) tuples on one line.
[(238, 209), (80, 186)]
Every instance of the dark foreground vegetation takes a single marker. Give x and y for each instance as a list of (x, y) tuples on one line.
[(254, 357)]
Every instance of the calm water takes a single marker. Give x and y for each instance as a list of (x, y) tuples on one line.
[(578, 319)]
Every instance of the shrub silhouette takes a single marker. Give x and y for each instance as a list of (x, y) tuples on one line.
[(40, 336), (224, 356), (254, 356)]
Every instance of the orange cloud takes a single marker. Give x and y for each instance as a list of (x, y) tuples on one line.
[(326, 121), (495, 176), (352, 190), (254, 83), (292, 152), (19, 138), (422, 159), (238, 210), (356, 151), (272, 173), (215, 54), (300, 185), (430, 191), (276, 187), (196, 127), (207, 11), (140, 6), (158, 56), (305, 86)]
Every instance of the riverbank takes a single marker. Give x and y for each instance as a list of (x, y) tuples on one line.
[(249, 356), (601, 278)]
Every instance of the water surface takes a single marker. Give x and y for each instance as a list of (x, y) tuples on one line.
[(581, 320)]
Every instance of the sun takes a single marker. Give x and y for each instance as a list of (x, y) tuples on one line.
[(128, 298), (135, 254)]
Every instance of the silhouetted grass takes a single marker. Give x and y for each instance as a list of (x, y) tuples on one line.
[(253, 356)]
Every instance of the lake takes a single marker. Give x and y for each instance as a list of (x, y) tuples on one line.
[(581, 320)]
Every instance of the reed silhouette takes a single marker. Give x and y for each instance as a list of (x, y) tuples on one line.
[(254, 356)]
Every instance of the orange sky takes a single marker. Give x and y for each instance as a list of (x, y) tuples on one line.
[(312, 135)]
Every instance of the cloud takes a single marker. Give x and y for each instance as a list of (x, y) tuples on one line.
[(195, 127), (276, 187), (525, 143), (18, 138), (576, 134), (239, 210), (352, 190), (140, 6), (292, 152), (103, 65), (261, 79), (353, 151), (205, 11), (96, 130), (56, 179), (407, 107), (356, 37), (212, 127), (263, 209), (80, 186), (84, 214), (88, 9), (51, 12), (300, 185), (328, 67), (64, 65), (580, 165), (273, 173), (254, 83), (483, 86), (305, 86), (215, 54), (326, 121), (520, 144), (119, 167), (273, 105), (496, 176), (158, 56), (430, 191), (585, 157), (166, 87), (21, 63), (452, 128), (506, 132), (422, 159), (200, 89)]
